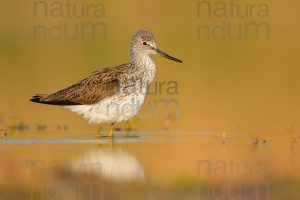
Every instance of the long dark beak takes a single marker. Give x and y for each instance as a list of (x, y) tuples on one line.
[(167, 56)]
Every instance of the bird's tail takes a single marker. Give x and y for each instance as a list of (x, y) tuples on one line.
[(48, 99), (38, 98)]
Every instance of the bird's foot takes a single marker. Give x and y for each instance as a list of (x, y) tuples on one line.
[(110, 133), (98, 134)]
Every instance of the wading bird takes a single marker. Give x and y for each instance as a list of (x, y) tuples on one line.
[(114, 94)]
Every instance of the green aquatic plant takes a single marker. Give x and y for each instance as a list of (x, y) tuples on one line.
[(14, 124), (130, 124), (62, 127), (41, 126)]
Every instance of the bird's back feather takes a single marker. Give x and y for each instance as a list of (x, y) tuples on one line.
[(96, 87)]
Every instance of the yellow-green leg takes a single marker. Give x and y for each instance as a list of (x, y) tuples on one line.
[(111, 130), (98, 134)]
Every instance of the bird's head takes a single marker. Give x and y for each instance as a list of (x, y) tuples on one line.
[(143, 43)]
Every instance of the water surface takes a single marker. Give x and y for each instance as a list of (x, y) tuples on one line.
[(148, 165)]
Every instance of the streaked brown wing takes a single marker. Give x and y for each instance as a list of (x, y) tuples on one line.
[(83, 93), (98, 86)]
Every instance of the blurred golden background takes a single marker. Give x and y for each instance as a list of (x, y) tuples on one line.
[(243, 85), (238, 83)]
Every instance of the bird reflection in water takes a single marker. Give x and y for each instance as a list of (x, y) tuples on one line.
[(112, 164)]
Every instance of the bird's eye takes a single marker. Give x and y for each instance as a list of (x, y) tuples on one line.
[(145, 43)]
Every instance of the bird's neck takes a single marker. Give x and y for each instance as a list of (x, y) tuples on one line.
[(144, 64), (142, 60)]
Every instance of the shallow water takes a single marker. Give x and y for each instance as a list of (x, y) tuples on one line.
[(148, 165)]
